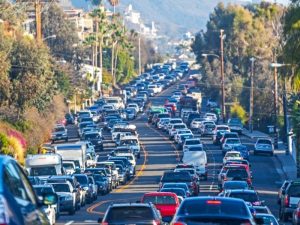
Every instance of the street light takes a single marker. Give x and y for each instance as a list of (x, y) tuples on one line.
[(49, 37)]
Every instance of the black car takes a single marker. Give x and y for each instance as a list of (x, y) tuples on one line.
[(213, 210), (69, 119), (95, 139), (84, 183), (131, 213), (180, 177)]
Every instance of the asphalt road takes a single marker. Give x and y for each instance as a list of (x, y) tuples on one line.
[(160, 154)]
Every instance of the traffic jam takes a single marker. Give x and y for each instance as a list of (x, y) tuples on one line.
[(105, 153)]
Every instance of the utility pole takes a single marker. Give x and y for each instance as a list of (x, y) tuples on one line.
[(38, 20), (222, 74), (286, 127), (251, 96), (140, 63), (275, 104)]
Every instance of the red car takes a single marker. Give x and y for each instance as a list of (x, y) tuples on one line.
[(166, 202)]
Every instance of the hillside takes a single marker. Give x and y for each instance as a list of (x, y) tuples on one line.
[(172, 17)]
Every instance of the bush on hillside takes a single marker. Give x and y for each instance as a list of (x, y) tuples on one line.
[(238, 111)]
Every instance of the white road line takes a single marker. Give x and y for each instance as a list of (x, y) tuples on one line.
[(70, 222)]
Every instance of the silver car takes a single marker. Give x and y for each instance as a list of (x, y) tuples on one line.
[(264, 145)]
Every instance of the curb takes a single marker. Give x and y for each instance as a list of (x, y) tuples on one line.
[(284, 175)]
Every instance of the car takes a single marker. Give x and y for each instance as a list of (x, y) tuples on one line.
[(233, 185), (131, 213), (262, 209), (34, 180), (231, 156), (213, 210), (102, 184), (207, 129), (265, 219), (211, 116), (289, 200), (174, 127), (282, 190), (177, 185), (196, 124), (59, 133), (69, 119), (243, 150), (247, 195), (237, 173), (84, 183), (130, 113), (52, 211), (296, 215), (67, 197), (95, 138), (166, 202), (217, 136), (180, 177), (235, 125), (21, 204), (229, 144), (178, 191), (264, 145), (181, 139), (94, 186), (192, 142)]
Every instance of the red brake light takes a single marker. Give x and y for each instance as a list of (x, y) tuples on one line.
[(178, 223), (104, 223), (286, 201), (213, 202)]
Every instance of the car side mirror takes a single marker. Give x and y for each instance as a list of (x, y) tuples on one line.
[(50, 199)]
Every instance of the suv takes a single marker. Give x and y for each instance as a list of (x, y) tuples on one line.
[(247, 195), (59, 133), (180, 177), (131, 213), (290, 197), (235, 125)]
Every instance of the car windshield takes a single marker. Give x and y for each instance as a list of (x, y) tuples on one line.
[(91, 136), (59, 129), (82, 179), (43, 171), (159, 199), (294, 190), (235, 185), (265, 142), (129, 214), (213, 207), (68, 165), (267, 219), (98, 178), (179, 126), (171, 185), (43, 190), (177, 177), (193, 142), (61, 187), (195, 149), (177, 191), (210, 126), (233, 154), (248, 197), (232, 141), (237, 173)]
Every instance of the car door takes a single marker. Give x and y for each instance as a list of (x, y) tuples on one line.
[(17, 184)]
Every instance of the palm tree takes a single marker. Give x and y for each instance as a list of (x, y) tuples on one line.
[(91, 41)]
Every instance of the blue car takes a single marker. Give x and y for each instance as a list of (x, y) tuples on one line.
[(243, 150), (18, 197)]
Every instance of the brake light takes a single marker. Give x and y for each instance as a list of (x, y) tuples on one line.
[(104, 223), (286, 201), (213, 202), (178, 223), (155, 222)]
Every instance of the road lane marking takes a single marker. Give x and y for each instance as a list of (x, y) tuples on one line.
[(70, 222)]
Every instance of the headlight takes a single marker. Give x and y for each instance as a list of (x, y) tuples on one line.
[(68, 198), (85, 188)]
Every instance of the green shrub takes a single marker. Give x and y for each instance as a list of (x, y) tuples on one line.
[(4, 144), (238, 111)]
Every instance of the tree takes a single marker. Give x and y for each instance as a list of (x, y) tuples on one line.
[(66, 38)]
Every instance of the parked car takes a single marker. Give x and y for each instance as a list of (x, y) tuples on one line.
[(59, 133)]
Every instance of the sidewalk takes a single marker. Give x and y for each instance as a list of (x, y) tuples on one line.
[(287, 162)]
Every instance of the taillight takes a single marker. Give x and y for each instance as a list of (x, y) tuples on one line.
[(178, 223), (286, 201), (155, 222)]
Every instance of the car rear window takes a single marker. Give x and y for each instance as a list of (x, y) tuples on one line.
[(237, 173), (177, 177), (248, 197), (294, 190), (128, 214), (193, 142), (265, 142), (216, 207), (160, 200)]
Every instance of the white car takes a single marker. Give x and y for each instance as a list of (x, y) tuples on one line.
[(264, 145), (162, 122), (196, 123), (211, 117), (232, 155), (229, 144), (193, 142), (175, 127), (133, 106), (178, 132)]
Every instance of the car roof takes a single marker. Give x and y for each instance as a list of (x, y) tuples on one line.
[(160, 194)]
